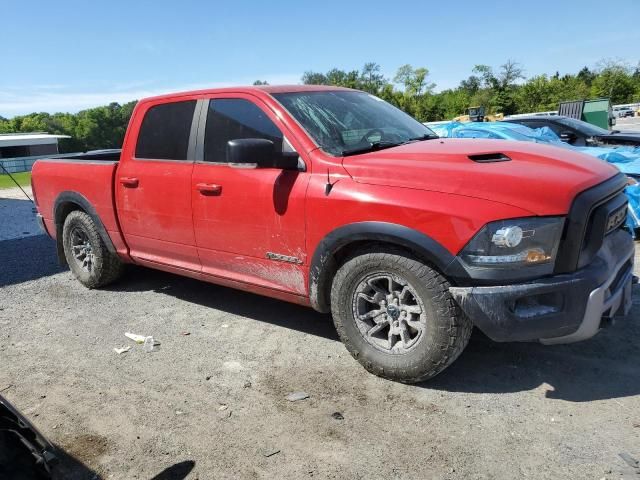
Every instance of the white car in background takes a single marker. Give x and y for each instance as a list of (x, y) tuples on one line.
[(622, 112)]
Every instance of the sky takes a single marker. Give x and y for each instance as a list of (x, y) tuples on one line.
[(70, 55)]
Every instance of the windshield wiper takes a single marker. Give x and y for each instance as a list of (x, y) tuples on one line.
[(370, 148), (386, 144), (426, 136)]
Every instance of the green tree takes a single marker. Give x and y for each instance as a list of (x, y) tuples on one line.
[(413, 80), (371, 78), (614, 80), (314, 78)]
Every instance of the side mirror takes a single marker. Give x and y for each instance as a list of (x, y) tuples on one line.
[(259, 152), (568, 137)]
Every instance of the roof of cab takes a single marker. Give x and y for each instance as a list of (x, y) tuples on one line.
[(269, 89)]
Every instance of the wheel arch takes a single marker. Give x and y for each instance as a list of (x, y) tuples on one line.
[(343, 240), (67, 202)]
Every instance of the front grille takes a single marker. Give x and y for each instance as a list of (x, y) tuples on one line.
[(591, 217), (616, 218)]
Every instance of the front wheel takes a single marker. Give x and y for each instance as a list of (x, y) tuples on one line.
[(396, 316), (86, 253)]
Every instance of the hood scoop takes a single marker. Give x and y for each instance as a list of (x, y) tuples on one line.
[(489, 157)]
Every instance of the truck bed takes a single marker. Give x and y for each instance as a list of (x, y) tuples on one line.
[(109, 155), (88, 178)]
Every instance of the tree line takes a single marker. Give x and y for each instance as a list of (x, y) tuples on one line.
[(95, 128), (504, 89)]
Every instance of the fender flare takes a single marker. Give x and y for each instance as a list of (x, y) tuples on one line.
[(81, 201), (323, 264)]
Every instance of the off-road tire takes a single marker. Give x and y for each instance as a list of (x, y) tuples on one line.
[(447, 329), (106, 266)]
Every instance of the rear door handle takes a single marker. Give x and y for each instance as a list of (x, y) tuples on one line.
[(129, 182), (209, 188)]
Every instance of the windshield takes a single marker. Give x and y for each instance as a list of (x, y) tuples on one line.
[(348, 122), (583, 127)]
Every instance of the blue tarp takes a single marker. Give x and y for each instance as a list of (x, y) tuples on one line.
[(627, 159), (633, 218)]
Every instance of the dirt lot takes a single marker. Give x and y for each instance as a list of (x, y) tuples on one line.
[(212, 404), (627, 124)]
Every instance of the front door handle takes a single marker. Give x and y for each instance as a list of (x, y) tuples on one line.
[(129, 182), (209, 189)]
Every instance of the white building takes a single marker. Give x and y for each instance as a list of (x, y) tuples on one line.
[(18, 151)]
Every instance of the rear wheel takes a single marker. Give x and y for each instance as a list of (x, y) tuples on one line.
[(86, 253), (396, 316)]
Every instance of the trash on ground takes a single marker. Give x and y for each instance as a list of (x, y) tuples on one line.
[(136, 338), (179, 412), (150, 343), (122, 350), (629, 460), (224, 325), (223, 406), (247, 384), (337, 416), (233, 365), (295, 396), (269, 452), (185, 333)]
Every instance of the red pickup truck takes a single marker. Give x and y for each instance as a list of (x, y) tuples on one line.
[(334, 199)]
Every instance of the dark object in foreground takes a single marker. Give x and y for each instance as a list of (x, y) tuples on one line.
[(24, 452)]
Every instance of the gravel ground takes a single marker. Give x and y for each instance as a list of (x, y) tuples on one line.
[(627, 124), (17, 217), (211, 402)]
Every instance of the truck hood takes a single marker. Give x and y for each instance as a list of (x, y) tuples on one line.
[(542, 179)]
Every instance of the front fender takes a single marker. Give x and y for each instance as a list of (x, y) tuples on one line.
[(323, 264)]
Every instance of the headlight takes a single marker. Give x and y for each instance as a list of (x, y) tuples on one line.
[(515, 243)]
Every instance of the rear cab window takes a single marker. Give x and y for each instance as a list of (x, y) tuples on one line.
[(165, 130)]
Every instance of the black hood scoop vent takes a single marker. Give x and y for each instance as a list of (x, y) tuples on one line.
[(489, 157)]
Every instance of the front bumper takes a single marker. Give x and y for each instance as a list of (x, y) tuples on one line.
[(563, 308)]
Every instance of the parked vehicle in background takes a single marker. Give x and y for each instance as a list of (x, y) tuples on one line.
[(622, 112), (578, 132), (334, 199)]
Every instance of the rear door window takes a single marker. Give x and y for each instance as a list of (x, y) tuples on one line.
[(164, 133), (233, 119)]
